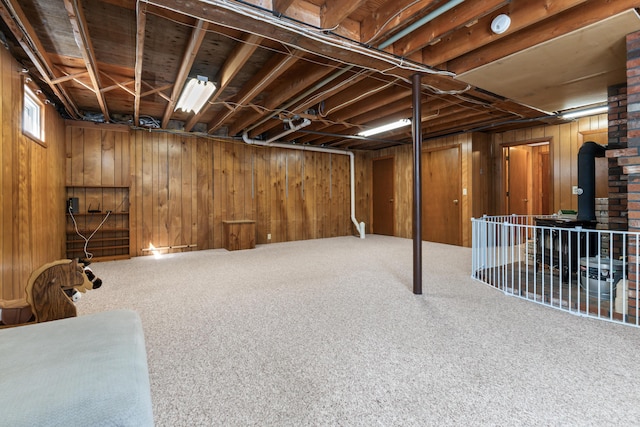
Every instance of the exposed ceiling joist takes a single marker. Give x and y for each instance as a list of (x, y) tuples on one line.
[(441, 25), (333, 12), (14, 17), (522, 14), (555, 26), (232, 65), (81, 34), (190, 52), (276, 66), (273, 60), (141, 22)]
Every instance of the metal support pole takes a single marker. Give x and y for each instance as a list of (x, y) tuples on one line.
[(416, 129)]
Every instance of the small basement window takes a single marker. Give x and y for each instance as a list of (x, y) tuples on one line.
[(33, 116)]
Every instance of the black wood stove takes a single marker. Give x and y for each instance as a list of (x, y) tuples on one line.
[(560, 243)]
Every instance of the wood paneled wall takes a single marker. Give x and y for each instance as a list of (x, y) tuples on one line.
[(403, 192), (183, 187), (565, 142), (482, 169), (32, 200)]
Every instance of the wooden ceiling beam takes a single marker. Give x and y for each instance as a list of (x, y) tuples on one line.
[(315, 98), (280, 93), (222, 15), (333, 12), (391, 17), (141, 23), (366, 88), (466, 40), (68, 77), (280, 6), (83, 40), (16, 20), (450, 21), (274, 68), (232, 65), (159, 90), (381, 100), (118, 85), (190, 52), (573, 19)]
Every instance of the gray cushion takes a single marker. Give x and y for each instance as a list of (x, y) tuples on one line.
[(83, 371)]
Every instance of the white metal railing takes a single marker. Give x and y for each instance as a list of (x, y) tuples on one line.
[(549, 260)]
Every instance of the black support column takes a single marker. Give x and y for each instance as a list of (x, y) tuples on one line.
[(416, 129)]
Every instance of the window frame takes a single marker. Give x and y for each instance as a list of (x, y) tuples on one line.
[(31, 121)]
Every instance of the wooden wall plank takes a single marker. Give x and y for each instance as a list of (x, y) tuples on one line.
[(262, 195), (147, 215), (107, 158), (135, 195), (218, 195), (32, 187), (175, 178), (92, 161), (293, 195), (9, 196), (204, 194), (322, 195), (310, 177)]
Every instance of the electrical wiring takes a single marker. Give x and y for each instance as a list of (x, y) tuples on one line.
[(288, 51), (391, 19), (320, 36), (88, 255), (357, 98)]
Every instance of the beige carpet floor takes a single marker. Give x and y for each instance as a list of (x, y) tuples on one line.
[(328, 333)]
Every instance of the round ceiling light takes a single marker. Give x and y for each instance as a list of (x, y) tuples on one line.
[(500, 23)]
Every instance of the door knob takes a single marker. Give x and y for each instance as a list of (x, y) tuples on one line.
[(390, 200), (455, 201)]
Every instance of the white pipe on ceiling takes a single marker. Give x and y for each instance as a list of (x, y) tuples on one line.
[(360, 226)]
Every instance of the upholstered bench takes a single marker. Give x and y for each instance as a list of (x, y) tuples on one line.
[(89, 370)]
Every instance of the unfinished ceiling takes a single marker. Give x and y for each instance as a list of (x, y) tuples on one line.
[(543, 76), (345, 66)]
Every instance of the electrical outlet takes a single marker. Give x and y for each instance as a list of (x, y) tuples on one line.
[(269, 236)]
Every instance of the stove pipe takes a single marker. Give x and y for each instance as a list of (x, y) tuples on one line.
[(587, 179)]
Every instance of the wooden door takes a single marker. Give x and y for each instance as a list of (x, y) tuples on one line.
[(441, 201), (382, 196), (544, 182), (518, 180)]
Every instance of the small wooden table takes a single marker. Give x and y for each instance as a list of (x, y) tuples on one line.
[(239, 234)]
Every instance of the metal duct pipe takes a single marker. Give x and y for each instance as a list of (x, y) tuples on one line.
[(306, 122), (587, 179), (424, 20)]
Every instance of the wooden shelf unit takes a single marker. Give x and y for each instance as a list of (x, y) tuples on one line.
[(111, 240)]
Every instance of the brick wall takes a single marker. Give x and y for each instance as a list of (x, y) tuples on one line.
[(624, 160), (633, 141), (617, 151)]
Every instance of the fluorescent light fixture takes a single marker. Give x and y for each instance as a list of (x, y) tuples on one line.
[(384, 128), (195, 94), (585, 112)]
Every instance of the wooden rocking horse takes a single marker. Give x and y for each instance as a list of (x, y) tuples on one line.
[(47, 294)]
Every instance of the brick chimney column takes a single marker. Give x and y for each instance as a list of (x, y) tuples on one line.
[(624, 159)]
